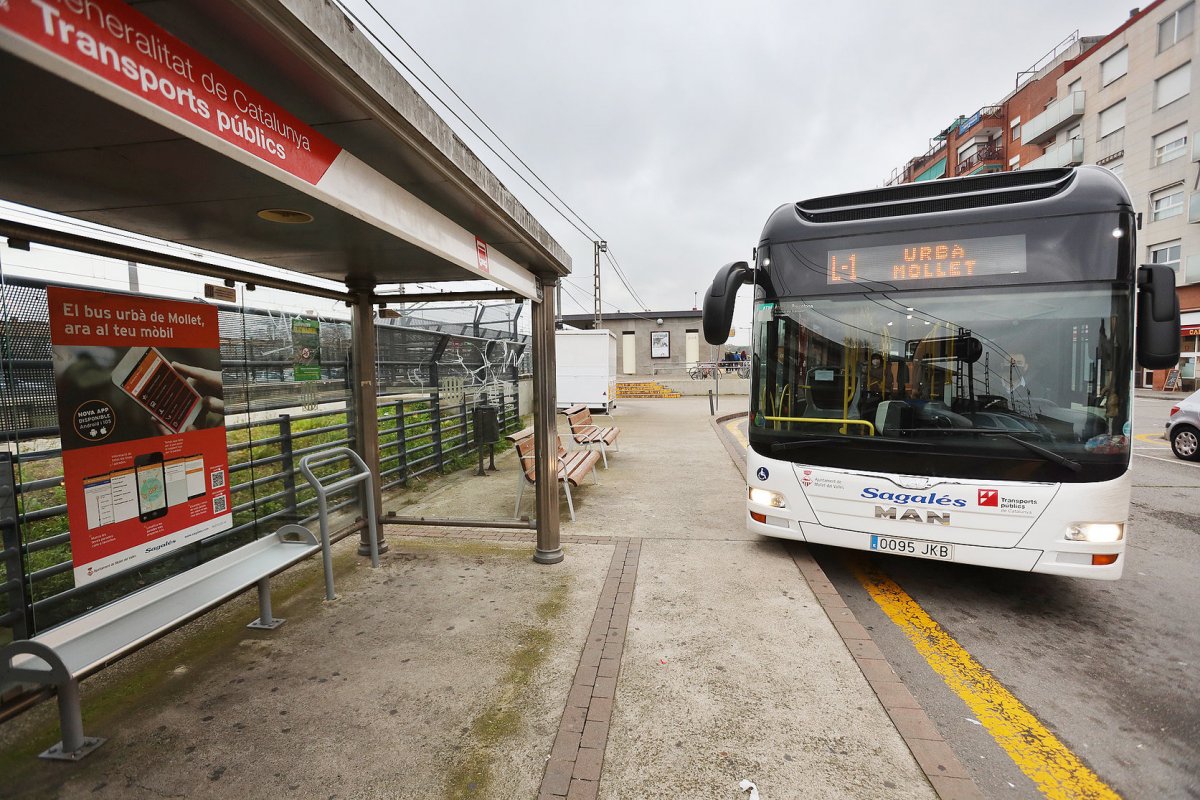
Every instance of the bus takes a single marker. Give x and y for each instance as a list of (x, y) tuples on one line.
[(944, 370)]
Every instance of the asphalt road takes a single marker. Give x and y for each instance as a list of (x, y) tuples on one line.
[(1112, 669)]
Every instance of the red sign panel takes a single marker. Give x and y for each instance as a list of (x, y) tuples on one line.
[(141, 419), (1190, 330), (124, 48), (481, 254)]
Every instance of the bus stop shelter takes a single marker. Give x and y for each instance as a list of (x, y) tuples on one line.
[(273, 131)]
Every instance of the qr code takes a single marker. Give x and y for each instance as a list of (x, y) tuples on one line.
[(220, 503), (218, 479)]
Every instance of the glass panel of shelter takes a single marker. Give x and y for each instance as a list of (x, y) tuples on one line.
[(269, 422), (448, 383)]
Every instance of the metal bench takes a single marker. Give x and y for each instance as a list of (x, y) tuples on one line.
[(587, 433), (66, 654), (573, 466)]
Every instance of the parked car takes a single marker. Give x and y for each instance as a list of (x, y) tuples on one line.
[(1183, 428)]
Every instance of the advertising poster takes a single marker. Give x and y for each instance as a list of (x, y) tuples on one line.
[(142, 417), (306, 349), (660, 344)]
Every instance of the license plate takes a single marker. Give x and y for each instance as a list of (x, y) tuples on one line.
[(912, 547)]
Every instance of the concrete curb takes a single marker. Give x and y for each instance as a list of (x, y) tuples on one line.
[(943, 770)]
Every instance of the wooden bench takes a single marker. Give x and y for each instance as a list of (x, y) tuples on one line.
[(573, 466), (588, 434)]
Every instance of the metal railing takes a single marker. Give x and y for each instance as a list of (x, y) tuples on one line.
[(717, 369), (988, 152), (419, 435)]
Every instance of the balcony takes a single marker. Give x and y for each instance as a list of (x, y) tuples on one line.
[(989, 119), (1057, 115), (986, 158), (1111, 147), (1067, 154)]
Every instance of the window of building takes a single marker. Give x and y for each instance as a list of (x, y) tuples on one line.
[(1014, 163), (1166, 203), (1015, 128), (1172, 86), (1112, 119), (1190, 271), (1176, 27), (1075, 86), (1166, 254), (1075, 133), (1116, 168), (1114, 66), (1170, 145)]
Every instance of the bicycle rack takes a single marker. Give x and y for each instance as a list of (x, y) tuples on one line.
[(362, 474)]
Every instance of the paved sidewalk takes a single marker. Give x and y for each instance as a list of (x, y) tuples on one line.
[(671, 655)]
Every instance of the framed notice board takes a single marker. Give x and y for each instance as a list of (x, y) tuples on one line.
[(1172, 383)]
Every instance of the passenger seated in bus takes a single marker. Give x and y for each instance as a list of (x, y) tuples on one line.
[(875, 385)]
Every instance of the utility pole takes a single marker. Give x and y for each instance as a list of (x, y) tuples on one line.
[(600, 247)]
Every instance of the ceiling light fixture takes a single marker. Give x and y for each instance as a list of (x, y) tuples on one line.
[(286, 216)]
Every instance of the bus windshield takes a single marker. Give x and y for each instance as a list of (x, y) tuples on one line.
[(1009, 383)]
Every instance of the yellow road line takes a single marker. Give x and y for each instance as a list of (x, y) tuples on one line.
[(733, 428), (1058, 772), (1152, 438)]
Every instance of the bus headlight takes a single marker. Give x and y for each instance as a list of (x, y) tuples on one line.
[(765, 497), (1096, 532)]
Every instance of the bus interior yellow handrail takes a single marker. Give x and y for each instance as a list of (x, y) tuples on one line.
[(825, 421)]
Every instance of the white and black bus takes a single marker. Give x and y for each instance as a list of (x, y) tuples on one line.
[(944, 369)]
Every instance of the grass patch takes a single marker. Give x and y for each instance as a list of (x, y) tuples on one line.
[(502, 720)]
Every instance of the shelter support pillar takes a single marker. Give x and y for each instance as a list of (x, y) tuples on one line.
[(363, 393), (545, 428)]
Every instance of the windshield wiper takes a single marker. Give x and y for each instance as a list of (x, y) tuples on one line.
[(1049, 455), (1000, 433), (800, 444)]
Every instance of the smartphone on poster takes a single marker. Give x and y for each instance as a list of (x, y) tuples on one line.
[(151, 486), (146, 376), (195, 476)]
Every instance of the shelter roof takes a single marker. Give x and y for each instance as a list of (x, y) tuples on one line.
[(394, 195)]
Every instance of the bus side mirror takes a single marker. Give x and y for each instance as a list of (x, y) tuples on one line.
[(1157, 317), (719, 301)]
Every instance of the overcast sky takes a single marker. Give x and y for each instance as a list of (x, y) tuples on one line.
[(675, 128)]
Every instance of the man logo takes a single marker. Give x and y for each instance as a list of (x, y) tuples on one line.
[(989, 497), (913, 515)]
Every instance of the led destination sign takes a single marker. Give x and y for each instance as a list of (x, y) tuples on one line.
[(928, 261)]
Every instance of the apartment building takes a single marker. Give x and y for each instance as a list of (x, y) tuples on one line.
[(1128, 101)]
